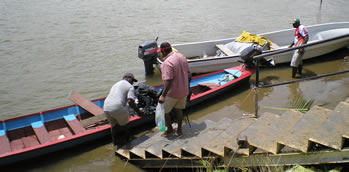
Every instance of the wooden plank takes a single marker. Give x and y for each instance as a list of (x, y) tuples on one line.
[(92, 120), (298, 137), (225, 50), (74, 124), (30, 139), (41, 132), (15, 138), (331, 132), (4, 142), (274, 46), (85, 103)]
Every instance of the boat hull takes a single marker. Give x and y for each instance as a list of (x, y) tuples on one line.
[(19, 130), (206, 61)]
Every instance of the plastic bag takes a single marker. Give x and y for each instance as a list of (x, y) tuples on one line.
[(160, 117)]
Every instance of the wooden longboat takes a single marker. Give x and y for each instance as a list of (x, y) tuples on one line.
[(53, 130)]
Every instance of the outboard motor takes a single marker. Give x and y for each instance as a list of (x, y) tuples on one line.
[(251, 51), (148, 52), (248, 53)]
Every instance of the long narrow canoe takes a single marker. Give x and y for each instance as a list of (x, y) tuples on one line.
[(44, 132)]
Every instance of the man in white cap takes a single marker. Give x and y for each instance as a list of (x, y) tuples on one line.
[(116, 111), (301, 36)]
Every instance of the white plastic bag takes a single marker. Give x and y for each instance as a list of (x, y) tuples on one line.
[(160, 117)]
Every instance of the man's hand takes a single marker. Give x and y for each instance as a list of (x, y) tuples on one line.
[(141, 113), (301, 51), (161, 99)]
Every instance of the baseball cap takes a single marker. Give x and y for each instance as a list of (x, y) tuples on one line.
[(131, 76), (296, 20), (165, 46)]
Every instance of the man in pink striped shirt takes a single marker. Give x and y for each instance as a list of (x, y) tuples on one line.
[(174, 71)]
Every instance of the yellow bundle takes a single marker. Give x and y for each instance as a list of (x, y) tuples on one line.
[(248, 37)]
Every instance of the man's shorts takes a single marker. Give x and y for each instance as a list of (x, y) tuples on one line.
[(171, 103), (120, 117), (296, 59)]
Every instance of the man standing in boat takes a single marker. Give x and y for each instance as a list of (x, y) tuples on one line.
[(116, 110), (301, 37), (175, 71)]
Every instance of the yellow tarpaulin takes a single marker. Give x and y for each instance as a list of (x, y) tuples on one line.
[(248, 37)]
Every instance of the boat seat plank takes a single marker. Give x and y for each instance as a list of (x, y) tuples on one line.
[(210, 85), (15, 138), (41, 132), (30, 139), (17, 145), (225, 50), (74, 124), (90, 121), (66, 132), (85, 103), (274, 46), (4, 142)]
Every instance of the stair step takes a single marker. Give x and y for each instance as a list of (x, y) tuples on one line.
[(175, 147), (125, 150), (252, 131), (193, 147), (157, 146), (298, 136), (266, 138), (347, 100), (154, 138), (331, 132), (228, 137)]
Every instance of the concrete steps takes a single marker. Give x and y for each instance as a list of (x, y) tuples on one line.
[(335, 129), (226, 140), (298, 137), (194, 145), (291, 131), (266, 137)]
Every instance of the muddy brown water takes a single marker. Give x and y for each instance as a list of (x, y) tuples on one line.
[(48, 48)]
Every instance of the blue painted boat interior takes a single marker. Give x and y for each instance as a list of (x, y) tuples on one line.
[(216, 78), (212, 78), (41, 118)]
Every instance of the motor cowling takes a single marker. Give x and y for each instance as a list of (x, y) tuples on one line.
[(147, 51), (248, 53)]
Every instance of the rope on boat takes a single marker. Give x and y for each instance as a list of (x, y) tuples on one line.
[(247, 96), (304, 79)]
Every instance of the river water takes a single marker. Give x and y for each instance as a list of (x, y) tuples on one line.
[(48, 48)]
